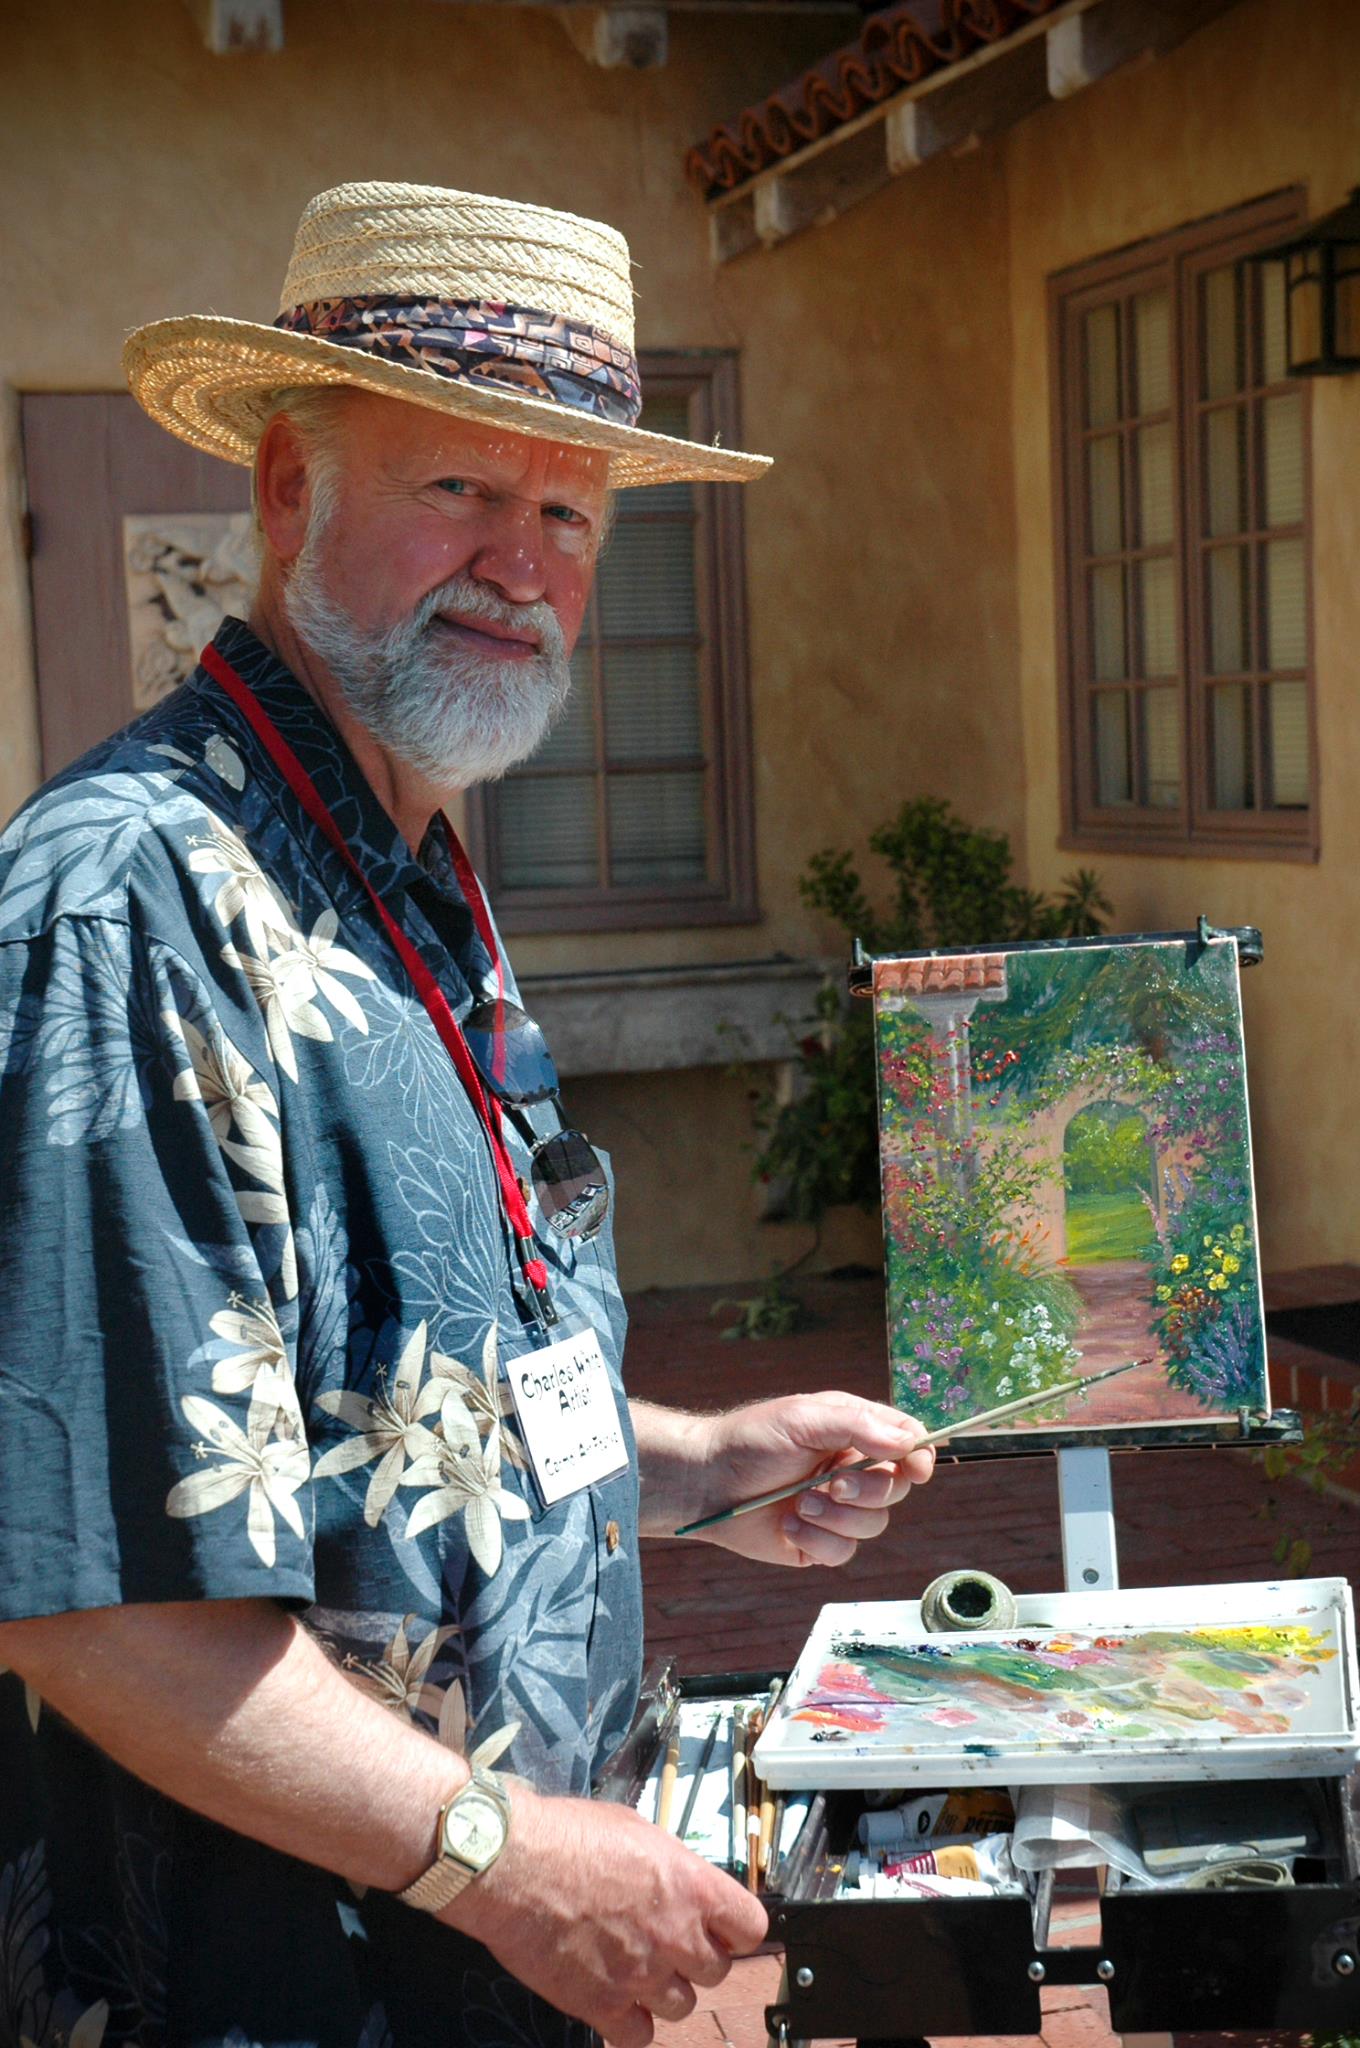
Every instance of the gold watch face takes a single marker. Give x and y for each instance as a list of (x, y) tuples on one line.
[(474, 1829)]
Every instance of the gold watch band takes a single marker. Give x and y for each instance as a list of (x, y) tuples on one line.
[(449, 1875), (438, 1886)]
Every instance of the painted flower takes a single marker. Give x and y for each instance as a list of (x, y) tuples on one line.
[(390, 1426), (260, 1364), (283, 985), (1217, 1282), (399, 1679), (267, 1468), (485, 1401), (262, 1159), (1230, 1264), (1180, 1264), (465, 1475), (247, 891), (230, 1090), (321, 961), (87, 2032)]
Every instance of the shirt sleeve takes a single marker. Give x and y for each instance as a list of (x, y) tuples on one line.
[(152, 1439)]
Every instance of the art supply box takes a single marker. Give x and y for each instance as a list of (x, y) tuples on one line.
[(1172, 1954)]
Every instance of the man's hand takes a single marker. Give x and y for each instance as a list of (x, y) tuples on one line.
[(606, 1916), (693, 1465)]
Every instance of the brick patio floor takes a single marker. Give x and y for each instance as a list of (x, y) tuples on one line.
[(1184, 1517)]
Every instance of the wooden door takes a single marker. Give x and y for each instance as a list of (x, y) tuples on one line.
[(138, 546)]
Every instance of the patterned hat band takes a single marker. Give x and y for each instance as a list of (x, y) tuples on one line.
[(476, 342)]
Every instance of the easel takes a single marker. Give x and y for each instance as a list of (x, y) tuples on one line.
[(1192, 1961), (1086, 1508)]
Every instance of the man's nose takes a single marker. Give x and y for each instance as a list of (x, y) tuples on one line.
[(512, 557)]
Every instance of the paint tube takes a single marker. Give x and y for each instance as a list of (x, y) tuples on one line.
[(913, 1821), (939, 1816), (984, 1861), (927, 1884)]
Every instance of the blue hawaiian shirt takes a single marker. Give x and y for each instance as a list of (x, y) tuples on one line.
[(254, 1285)]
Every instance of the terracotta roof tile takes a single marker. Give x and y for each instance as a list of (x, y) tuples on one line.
[(897, 47), (960, 973)]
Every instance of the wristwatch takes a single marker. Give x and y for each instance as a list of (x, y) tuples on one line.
[(473, 1829)]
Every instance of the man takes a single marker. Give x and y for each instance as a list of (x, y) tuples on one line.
[(296, 1368)]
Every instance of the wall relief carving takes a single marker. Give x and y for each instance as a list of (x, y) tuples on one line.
[(185, 572)]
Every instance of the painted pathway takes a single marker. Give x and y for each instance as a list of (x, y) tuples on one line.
[(1115, 1328)]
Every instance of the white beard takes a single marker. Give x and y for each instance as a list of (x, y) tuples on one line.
[(455, 715)]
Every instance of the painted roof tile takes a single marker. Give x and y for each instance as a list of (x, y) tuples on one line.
[(955, 974)]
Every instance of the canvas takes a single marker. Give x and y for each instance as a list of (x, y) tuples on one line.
[(1150, 1683), (1067, 1183)]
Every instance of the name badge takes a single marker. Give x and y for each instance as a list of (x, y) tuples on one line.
[(567, 1415)]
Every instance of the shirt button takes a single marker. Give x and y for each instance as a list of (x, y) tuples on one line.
[(611, 1537)]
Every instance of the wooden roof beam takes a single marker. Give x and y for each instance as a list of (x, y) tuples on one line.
[(961, 116), (949, 112), (618, 38), (229, 27), (1087, 47)]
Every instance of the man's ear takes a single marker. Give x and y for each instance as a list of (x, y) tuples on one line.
[(282, 493)]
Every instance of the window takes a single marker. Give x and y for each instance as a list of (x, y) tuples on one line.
[(636, 811), (1183, 548)]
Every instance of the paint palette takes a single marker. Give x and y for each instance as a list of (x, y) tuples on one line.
[(1149, 1685)]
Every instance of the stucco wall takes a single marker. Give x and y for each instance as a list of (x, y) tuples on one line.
[(145, 177), (1267, 97)]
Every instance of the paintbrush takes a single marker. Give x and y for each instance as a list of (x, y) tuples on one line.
[(1045, 1398), (737, 1821), (665, 1791), (705, 1758), (755, 1725)]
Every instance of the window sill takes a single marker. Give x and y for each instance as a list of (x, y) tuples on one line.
[(544, 910), (1110, 839), (654, 1019)]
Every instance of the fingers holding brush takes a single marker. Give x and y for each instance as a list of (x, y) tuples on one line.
[(833, 1463)]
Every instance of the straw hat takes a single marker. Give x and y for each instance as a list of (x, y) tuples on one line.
[(511, 315)]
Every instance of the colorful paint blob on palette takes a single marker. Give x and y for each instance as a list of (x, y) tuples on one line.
[(1062, 1686)]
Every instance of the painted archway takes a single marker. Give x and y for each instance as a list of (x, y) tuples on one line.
[(1110, 1179)]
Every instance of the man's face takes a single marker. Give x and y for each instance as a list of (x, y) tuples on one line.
[(444, 579)]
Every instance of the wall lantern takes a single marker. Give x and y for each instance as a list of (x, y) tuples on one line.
[(1322, 292)]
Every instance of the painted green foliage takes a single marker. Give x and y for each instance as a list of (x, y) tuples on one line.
[(1141, 1043)]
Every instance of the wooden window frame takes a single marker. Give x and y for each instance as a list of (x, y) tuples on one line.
[(708, 379), (1194, 827)]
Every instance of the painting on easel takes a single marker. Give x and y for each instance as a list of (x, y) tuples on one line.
[(1067, 1182)]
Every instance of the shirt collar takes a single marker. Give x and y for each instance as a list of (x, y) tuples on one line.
[(386, 859)]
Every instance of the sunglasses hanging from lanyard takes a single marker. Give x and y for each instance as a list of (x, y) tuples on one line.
[(565, 1172)]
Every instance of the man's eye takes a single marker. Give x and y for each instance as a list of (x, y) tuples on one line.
[(458, 485), (566, 513)]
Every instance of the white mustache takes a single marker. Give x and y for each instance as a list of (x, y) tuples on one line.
[(472, 600)]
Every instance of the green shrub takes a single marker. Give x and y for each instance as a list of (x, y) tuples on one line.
[(950, 885)]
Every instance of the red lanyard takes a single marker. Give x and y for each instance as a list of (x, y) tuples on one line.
[(428, 989)]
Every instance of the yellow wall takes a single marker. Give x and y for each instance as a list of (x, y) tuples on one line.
[(900, 559), (144, 177), (1267, 97)]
